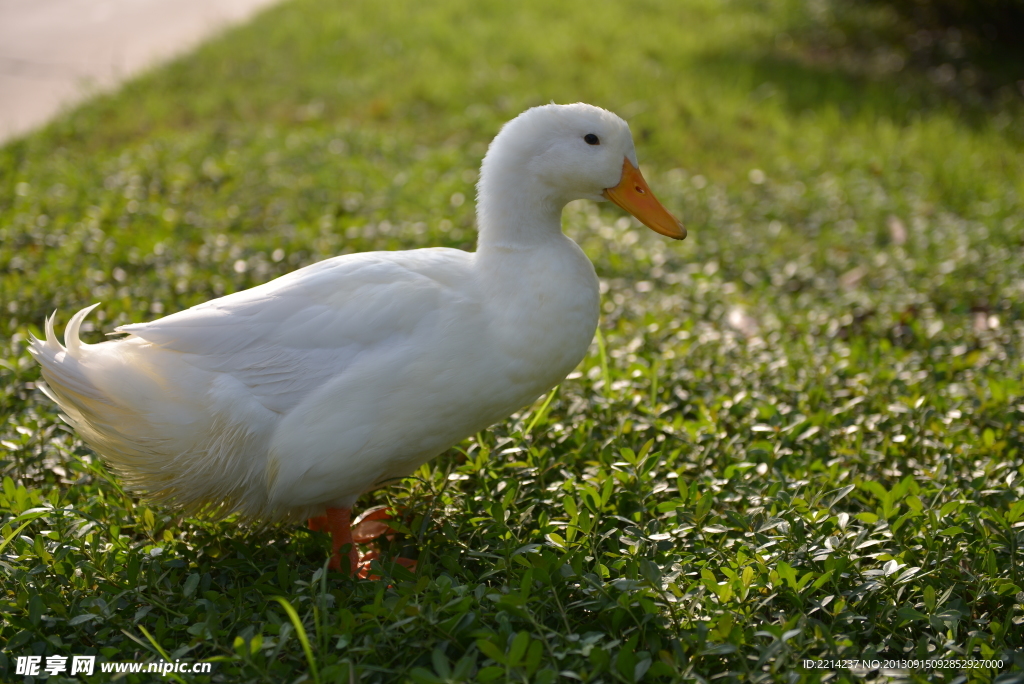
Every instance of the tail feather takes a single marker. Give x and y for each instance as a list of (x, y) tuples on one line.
[(51, 337), (118, 431), (71, 338), (128, 406), (62, 365)]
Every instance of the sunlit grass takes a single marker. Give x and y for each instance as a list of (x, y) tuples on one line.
[(801, 435)]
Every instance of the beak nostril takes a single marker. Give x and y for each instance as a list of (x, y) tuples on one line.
[(640, 190)]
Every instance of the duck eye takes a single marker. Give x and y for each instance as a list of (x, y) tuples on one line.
[(591, 139)]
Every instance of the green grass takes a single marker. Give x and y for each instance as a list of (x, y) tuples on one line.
[(800, 436)]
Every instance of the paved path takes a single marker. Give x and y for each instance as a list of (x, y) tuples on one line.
[(54, 53)]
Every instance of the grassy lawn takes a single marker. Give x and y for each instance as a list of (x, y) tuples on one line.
[(798, 435)]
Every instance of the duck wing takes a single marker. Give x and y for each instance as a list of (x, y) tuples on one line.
[(284, 339)]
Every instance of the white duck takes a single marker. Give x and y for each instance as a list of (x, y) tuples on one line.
[(291, 399)]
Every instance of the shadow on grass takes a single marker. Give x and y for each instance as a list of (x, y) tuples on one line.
[(802, 86)]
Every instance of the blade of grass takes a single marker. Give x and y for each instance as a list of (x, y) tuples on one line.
[(25, 524), (159, 649), (603, 356), (301, 631), (541, 411)]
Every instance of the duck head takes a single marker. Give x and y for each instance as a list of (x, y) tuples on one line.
[(553, 154)]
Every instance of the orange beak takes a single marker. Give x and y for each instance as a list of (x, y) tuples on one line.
[(633, 194)]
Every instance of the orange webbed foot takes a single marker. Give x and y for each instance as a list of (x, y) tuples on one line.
[(371, 525)]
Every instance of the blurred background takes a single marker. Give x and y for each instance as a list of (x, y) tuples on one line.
[(971, 49), (54, 54)]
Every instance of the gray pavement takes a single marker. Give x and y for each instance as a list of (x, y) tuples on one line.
[(55, 53)]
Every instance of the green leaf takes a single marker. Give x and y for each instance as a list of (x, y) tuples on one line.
[(421, 675), (787, 573), (491, 651), (671, 505), (929, 598), (704, 506), (625, 663), (591, 498), (1016, 512), (650, 572), (825, 576), (841, 494), (684, 490), (948, 508), (520, 643), (908, 612), (440, 662), (555, 539), (190, 585), (748, 576), (570, 507), (489, 674), (534, 655)]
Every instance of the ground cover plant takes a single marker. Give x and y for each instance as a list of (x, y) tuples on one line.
[(797, 436)]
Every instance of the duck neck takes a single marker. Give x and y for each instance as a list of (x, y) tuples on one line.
[(515, 211)]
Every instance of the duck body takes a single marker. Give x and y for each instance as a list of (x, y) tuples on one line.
[(296, 396), (302, 393)]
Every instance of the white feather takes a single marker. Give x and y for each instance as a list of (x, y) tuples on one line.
[(71, 339)]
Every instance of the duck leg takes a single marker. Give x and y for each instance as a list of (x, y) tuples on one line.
[(338, 522)]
